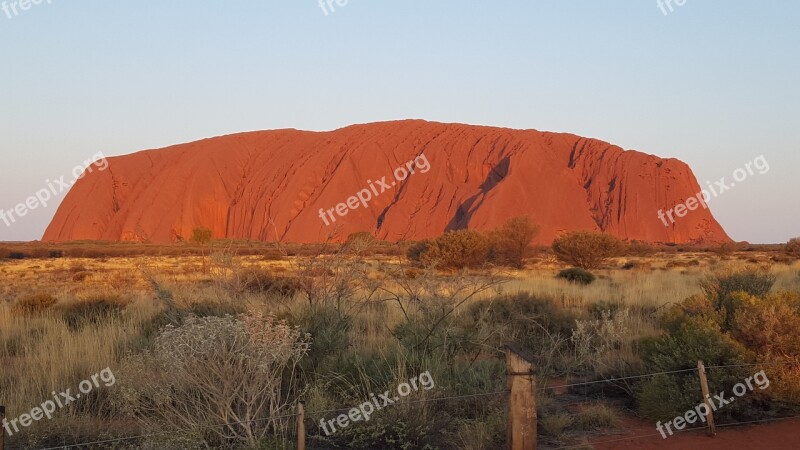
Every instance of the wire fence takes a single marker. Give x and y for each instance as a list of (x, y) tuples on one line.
[(267, 419), (468, 396)]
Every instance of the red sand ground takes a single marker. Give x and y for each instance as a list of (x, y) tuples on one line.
[(271, 185), (782, 435)]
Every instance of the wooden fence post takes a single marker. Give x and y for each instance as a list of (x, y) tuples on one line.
[(522, 399), (301, 427), (2, 430), (701, 370)]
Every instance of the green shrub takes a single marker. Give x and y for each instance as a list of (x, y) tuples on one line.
[(692, 339), (586, 249), (754, 282), (394, 429), (722, 290), (577, 275), (457, 250)]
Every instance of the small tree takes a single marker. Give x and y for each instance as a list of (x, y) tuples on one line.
[(511, 241), (202, 236), (586, 249)]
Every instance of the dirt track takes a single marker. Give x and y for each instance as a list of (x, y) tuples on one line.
[(784, 435)]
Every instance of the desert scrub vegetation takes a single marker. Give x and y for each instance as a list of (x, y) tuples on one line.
[(577, 275), (92, 310), (33, 304), (218, 370), (736, 321), (507, 245), (457, 250), (374, 322), (587, 250)]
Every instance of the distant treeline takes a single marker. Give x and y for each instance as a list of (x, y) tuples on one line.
[(272, 250)]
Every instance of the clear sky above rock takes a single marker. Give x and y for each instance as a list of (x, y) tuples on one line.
[(714, 84)]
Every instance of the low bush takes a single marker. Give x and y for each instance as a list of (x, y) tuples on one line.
[(457, 250), (587, 250), (640, 248), (577, 275), (33, 304), (263, 281), (524, 311), (754, 282), (735, 322), (555, 425), (597, 416), (92, 310), (361, 243), (217, 370), (505, 246), (537, 323), (720, 289), (694, 339), (598, 309), (394, 429)]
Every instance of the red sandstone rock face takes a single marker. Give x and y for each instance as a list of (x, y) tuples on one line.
[(271, 185)]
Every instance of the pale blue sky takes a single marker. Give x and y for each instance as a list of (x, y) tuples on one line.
[(714, 83)]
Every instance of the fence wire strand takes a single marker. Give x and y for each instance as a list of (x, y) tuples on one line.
[(611, 380), (457, 397), (307, 413)]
